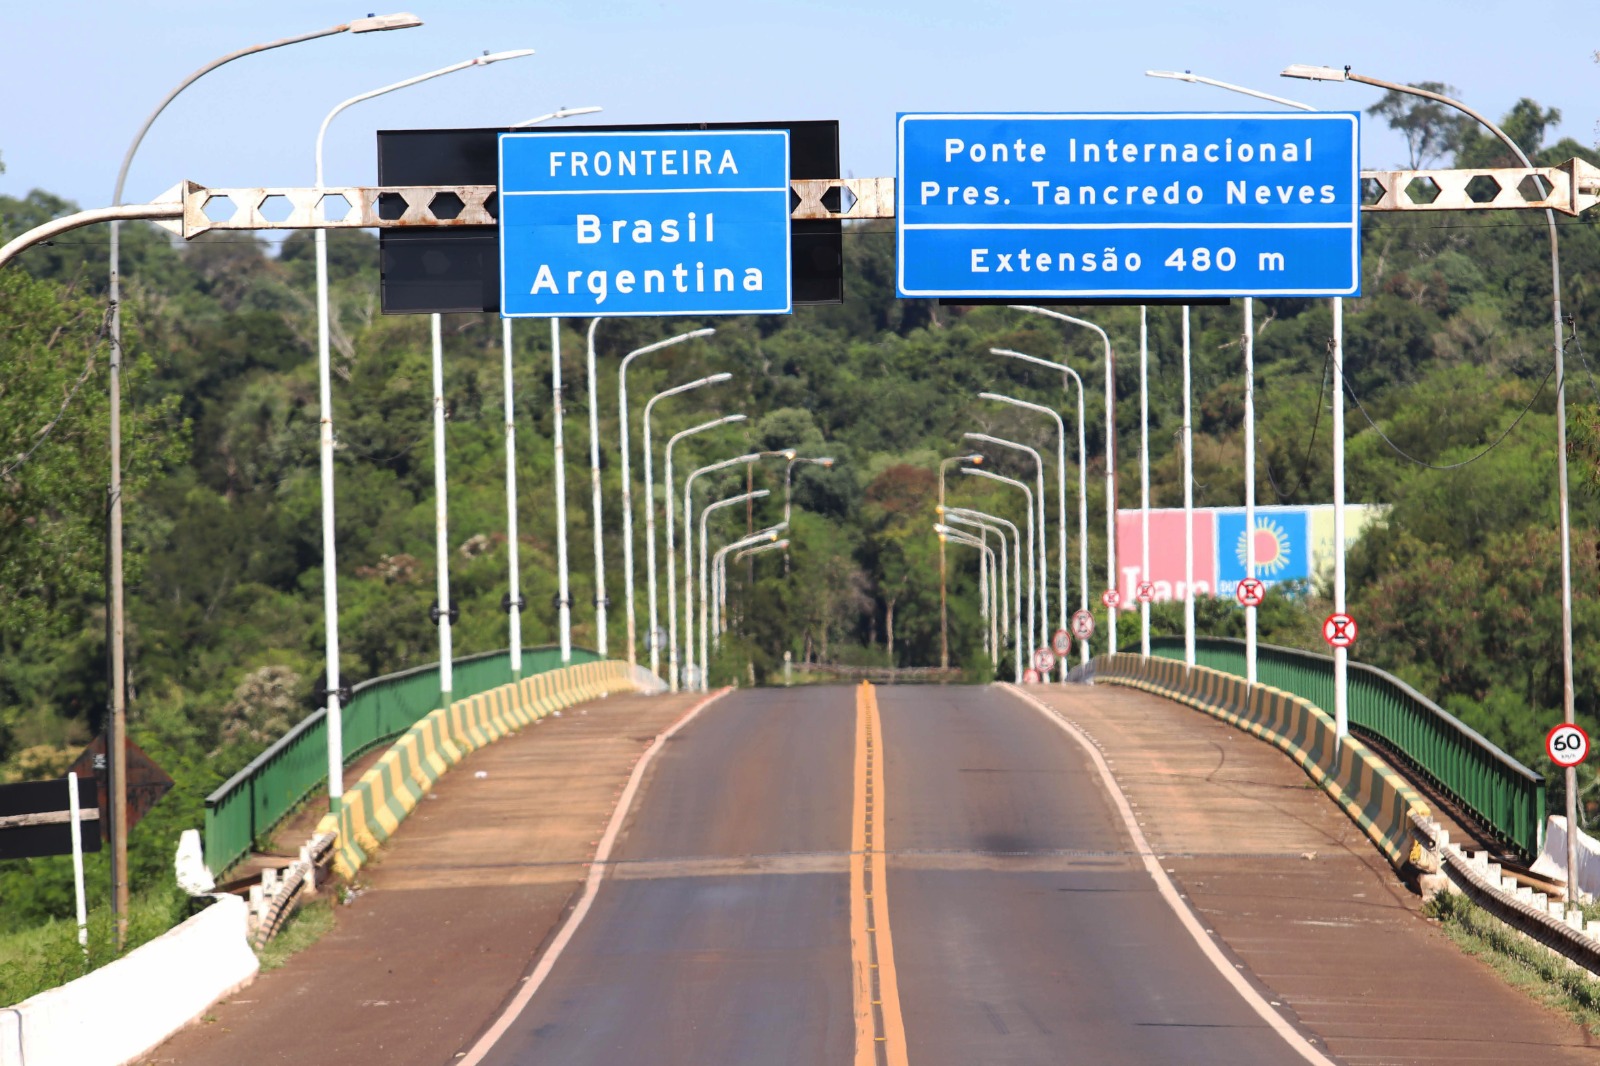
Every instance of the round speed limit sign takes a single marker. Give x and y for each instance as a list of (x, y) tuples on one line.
[(1061, 642), (1567, 745)]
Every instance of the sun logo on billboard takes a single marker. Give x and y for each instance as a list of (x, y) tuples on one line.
[(1272, 548)]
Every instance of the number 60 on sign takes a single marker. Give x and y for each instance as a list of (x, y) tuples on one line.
[(1567, 745)]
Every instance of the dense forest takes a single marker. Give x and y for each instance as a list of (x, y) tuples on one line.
[(1451, 423)]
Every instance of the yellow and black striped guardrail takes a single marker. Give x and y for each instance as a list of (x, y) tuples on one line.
[(1372, 794), (374, 806)]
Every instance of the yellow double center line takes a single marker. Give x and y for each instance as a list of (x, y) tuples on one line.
[(880, 1028)]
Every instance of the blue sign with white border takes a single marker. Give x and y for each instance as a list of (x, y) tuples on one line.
[(995, 206), (644, 223)]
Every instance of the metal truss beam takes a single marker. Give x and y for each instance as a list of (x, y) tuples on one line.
[(187, 209)]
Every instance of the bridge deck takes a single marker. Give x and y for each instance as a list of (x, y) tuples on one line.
[(1024, 929)]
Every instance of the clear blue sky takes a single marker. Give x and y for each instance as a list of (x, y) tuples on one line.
[(78, 76)]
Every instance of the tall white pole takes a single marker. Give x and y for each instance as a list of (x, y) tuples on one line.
[(563, 585), (1341, 656), (650, 542), (333, 719), (672, 581), (1144, 475), (1250, 481), (513, 573), (1188, 504), (1111, 492), (441, 533), (594, 481)]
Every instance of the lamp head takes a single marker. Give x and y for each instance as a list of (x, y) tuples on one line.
[(495, 57), (788, 453), (402, 20), (825, 461), (1183, 76), (718, 379), (1312, 72), (976, 459), (734, 418)]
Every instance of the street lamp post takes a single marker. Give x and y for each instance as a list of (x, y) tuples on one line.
[(671, 505), (985, 553), (1083, 482), (1144, 476), (1032, 630), (441, 517), (719, 575), (117, 732), (1000, 588), (1111, 455), (944, 612), (330, 589), (1248, 339), (514, 603), (1061, 500), (688, 554), (990, 524), (1044, 551), (627, 489), (705, 580), (1568, 700), (777, 545), (600, 601)]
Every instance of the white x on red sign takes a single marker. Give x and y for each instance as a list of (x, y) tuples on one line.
[(1110, 599), (1147, 592), (1339, 630), (1251, 592)]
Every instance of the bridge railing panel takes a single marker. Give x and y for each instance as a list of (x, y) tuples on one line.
[(247, 807), (1504, 797)]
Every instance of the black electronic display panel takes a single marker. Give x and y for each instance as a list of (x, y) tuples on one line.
[(451, 270)]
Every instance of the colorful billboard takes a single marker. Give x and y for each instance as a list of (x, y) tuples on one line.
[(1291, 544)]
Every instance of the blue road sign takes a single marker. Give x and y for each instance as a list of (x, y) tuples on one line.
[(644, 223), (1128, 206)]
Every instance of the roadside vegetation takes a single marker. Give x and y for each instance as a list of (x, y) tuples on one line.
[(1521, 963), (1448, 355)]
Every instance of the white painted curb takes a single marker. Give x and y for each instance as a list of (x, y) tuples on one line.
[(116, 1014)]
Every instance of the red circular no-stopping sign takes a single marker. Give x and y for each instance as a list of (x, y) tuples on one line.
[(1567, 745), (1251, 592), (1111, 599), (1339, 630), (1082, 624), (1030, 676), (1044, 660), (1147, 592)]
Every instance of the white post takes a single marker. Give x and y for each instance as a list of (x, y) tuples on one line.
[(564, 611), (628, 576), (1111, 492), (333, 721), (1083, 516), (513, 574), (77, 862), (1250, 482), (441, 536), (594, 481), (1144, 475), (650, 544), (1188, 504), (1341, 656)]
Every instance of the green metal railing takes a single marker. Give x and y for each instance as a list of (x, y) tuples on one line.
[(254, 800), (1504, 797)]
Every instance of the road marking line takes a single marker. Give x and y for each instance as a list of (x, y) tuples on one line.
[(1169, 892), (591, 887), (875, 983)]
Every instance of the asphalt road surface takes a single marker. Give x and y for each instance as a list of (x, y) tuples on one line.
[(780, 837)]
